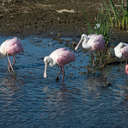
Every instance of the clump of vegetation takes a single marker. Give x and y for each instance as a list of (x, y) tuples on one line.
[(117, 14), (113, 15), (110, 16), (102, 26)]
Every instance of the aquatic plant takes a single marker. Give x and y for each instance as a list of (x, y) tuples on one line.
[(117, 14), (112, 15)]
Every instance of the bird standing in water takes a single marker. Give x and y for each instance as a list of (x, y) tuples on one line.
[(121, 51), (60, 57), (11, 47), (92, 42)]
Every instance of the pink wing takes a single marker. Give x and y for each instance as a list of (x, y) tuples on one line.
[(66, 58), (98, 45), (97, 42), (125, 51), (62, 56), (13, 46)]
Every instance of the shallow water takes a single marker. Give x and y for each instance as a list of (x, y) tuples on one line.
[(27, 100)]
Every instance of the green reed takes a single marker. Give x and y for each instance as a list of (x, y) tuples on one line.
[(111, 16), (104, 28), (117, 15)]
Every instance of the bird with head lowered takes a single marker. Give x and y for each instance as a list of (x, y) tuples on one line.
[(11, 47), (60, 57)]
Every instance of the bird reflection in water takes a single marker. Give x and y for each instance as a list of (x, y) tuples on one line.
[(8, 87), (60, 101)]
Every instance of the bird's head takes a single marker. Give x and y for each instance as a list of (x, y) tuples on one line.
[(47, 61), (121, 44), (84, 38)]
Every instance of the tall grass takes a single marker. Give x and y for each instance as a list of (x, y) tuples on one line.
[(104, 26), (117, 14), (112, 15)]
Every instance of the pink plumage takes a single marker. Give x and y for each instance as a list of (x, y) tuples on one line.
[(60, 57), (121, 51), (96, 42), (11, 47), (125, 52), (92, 42)]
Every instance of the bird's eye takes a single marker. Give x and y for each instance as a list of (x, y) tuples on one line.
[(123, 46), (48, 61)]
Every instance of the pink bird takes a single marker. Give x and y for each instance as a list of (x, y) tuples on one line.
[(60, 57), (92, 42), (121, 51), (11, 47)]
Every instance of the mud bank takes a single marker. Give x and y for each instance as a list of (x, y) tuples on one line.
[(47, 17)]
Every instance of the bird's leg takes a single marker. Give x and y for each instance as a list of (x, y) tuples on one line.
[(9, 64), (100, 57), (92, 58), (9, 69), (62, 70), (57, 77), (14, 60)]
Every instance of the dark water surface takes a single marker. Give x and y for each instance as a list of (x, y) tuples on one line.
[(27, 100)]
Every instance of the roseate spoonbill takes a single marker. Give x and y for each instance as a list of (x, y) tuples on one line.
[(60, 57), (10, 47), (121, 51), (92, 42)]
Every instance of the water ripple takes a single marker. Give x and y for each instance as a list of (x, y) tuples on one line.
[(84, 100)]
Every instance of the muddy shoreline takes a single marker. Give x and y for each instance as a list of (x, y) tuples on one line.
[(47, 18)]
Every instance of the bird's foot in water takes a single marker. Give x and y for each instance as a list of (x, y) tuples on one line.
[(57, 78), (10, 69)]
